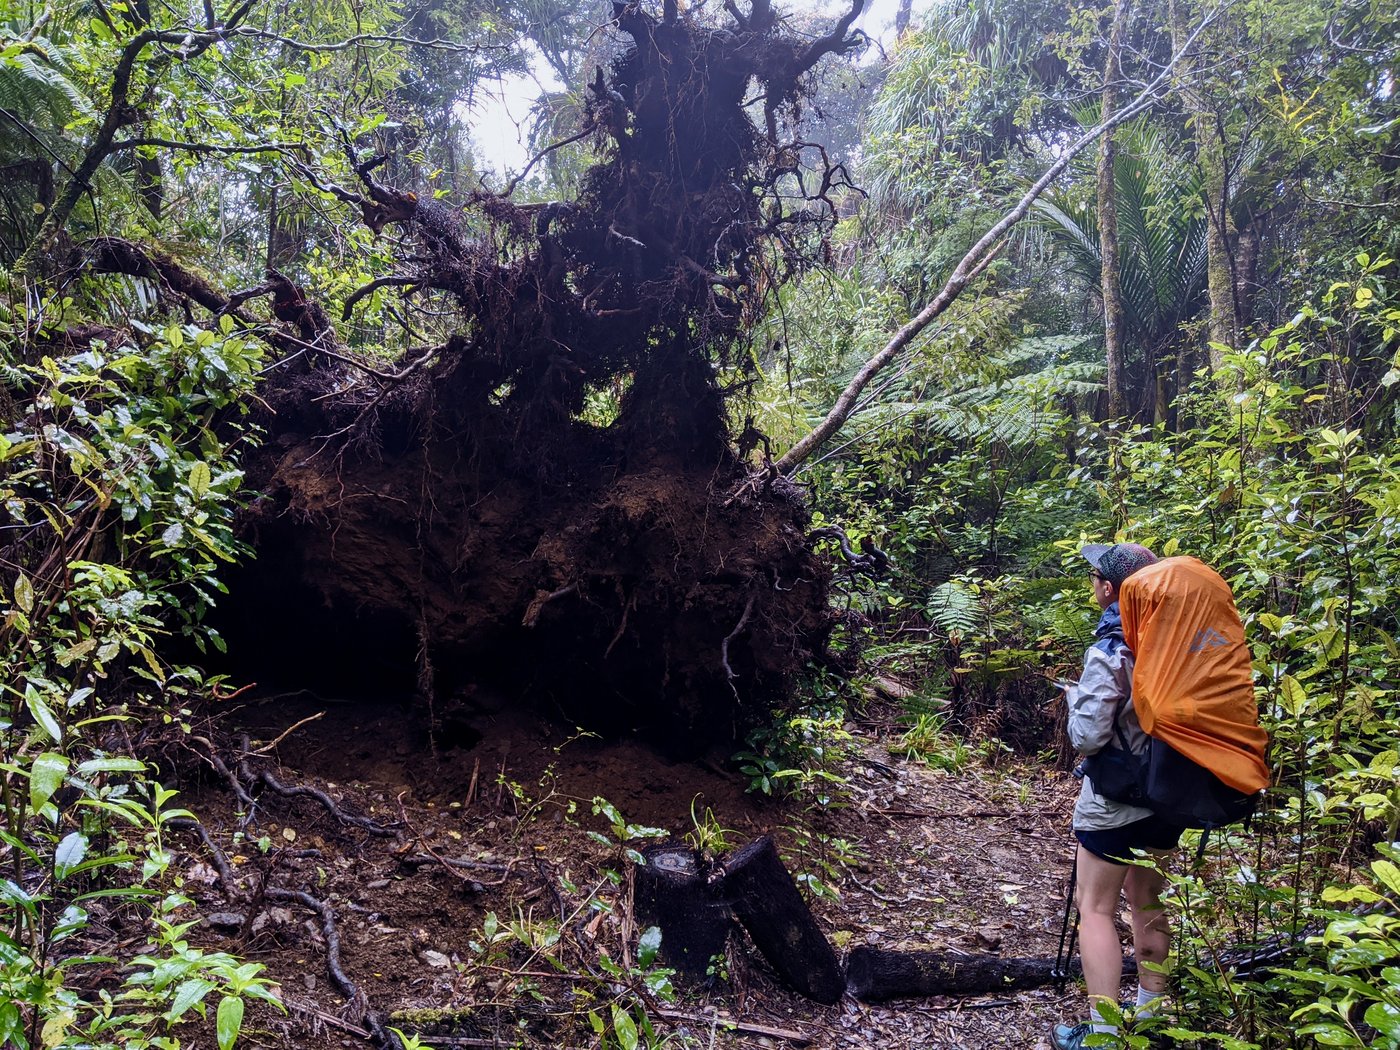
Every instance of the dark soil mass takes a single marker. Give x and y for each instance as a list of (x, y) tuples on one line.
[(469, 519)]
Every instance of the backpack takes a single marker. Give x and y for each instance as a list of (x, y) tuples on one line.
[(1193, 692)]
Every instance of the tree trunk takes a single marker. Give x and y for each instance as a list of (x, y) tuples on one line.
[(1210, 157), (1108, 221), (670, 891), (1247, 248), (875, 975), (285, 233), (902, 17), (768, 904)]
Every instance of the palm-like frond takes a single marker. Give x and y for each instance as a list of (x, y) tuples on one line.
[(1020, 407), (1161, 235)]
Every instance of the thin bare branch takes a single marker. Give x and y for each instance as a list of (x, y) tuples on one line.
[(369, 40), (205, 147)]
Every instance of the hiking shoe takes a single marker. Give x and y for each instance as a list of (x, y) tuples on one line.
[(1070, 1037)]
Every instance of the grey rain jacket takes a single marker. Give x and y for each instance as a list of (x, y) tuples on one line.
[(1107, 678)]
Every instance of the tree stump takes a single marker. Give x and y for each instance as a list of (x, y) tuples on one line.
[(669, 890), (767, 902), (874, 975)]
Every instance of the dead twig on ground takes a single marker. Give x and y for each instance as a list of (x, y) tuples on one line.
[(288, 732), (447, 864), (788, 1034)]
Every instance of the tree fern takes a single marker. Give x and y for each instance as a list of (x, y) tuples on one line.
[(36, 84)]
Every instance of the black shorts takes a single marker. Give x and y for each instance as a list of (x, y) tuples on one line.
[(1116, 845)]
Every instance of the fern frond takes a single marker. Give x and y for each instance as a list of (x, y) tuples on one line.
[(36, 85), (952, 607)]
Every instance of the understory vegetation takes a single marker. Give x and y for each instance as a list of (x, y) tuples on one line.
[(163, 177)]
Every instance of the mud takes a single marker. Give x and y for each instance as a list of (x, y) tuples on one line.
[(911, 857)]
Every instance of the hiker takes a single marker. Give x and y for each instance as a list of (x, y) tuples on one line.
[(1107, 831)]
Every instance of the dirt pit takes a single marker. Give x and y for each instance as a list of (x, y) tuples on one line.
[(496, 909)]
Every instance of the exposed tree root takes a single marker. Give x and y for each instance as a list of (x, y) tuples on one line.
[(347, 987), (358, 1002), (476, 511), (266, 778), (216, 855), (302, 791)]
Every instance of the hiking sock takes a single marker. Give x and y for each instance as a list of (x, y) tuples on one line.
[(1147, 1002), (1103, 1028)]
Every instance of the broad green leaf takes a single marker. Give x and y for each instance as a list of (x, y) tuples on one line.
[(649, 946), (1388, 873), (11, 1024), (187, 994), (24, 594), (14, 893), (111, 765), (1359, 956), (624, 1028), (150, 657), (43, 717), (52, 1032), (70, 922), (1292, 694), (75, 652), (45, 777), (228, 1021), (1334, 894), (70, 852), (1385, 1019), (1329, 1033), (199, 480)]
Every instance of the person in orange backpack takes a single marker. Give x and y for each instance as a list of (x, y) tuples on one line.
[(1108, 831)]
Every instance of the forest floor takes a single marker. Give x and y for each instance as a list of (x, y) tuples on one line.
[(969, 861)]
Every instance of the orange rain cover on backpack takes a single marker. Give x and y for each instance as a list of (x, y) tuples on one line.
[(1192, 686)]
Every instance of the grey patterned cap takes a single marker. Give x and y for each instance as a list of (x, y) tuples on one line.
[(1115, 562)]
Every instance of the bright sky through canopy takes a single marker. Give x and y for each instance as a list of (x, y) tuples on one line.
[(499, 119)]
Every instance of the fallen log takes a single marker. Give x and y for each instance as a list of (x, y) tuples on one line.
[(767, 902), (670, 891), (875, 975)]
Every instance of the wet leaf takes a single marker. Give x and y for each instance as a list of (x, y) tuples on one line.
[(70, 852), (228, 1021), (24, 593), (45, 777)]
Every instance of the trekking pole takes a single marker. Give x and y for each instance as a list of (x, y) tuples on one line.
[(1069, 933)]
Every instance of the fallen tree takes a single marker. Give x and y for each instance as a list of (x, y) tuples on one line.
[(463, 518)]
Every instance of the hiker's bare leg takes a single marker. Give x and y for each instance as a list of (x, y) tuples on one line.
[(1152, 937), (1098, 886)]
